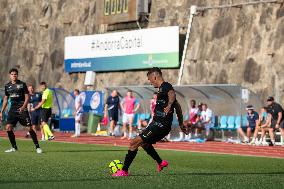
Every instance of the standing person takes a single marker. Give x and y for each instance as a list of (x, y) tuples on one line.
[(252, 122), (45, 113), (78, 112), (34, 100), (277, 122), (112, 107), (159, 127), (129, 109), (17, 92)]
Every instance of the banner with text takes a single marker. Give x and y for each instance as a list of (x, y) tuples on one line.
[(139, 49)]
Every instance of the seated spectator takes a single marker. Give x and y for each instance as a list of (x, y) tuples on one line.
[(258, 128), (252, 121), (207, 119), (264, 124)]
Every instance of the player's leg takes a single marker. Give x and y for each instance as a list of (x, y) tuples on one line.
[(131, 154), (249, 132), (130, 118), (242, 134), (12, 138), (282, 131), (255, 134), (271, 135), (152, 134), (150, 150), (124, 123), (12, 120), (24, 119), (45, 115), (132, 151)]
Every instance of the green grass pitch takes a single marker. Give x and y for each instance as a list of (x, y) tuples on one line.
[(68, 166)]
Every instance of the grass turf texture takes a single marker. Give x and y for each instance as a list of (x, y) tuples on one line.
[(66, 165)]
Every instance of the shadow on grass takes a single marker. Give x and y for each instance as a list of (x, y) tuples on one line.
[(136, 175), (78, 151)]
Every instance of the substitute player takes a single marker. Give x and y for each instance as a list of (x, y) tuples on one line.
[(34, 100), (160, 125), (78, 112), (18, 94)]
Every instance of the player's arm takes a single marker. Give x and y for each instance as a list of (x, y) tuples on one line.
[(180, 117), (268, 121), (4, 105), (137, 107), (279, 119), (178, 112), (172, 98), (40, 104), (25, 103), (105, 111), (122, 105)]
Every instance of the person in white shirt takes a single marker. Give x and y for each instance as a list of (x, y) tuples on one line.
[(207, 118), (77, 112)]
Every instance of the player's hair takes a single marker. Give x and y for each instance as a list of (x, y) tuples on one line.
[(129, 90), (77, 90), (193, 101), (13, 70), (154, 70), (43, 83), (155, 93)]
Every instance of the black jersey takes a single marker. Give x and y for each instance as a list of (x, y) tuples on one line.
[(274, 109), (16, 92), (162, 102)]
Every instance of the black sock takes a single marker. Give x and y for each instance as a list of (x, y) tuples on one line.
[(152, 152), (12, 139), (34, 137), (128, 159)]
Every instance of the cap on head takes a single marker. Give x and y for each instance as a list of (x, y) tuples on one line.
[(270, 98), (250, 107)]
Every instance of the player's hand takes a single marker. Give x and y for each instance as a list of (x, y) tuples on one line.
[(21, 109), (1, 115), (167, 109), (277, 126)]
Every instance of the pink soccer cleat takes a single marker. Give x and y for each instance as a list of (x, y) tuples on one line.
[(120, 173), (162, 165)]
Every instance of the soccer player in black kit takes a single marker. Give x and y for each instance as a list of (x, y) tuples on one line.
[(160, 125), (18, 93)]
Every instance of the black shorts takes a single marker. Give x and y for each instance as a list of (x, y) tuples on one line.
[(45, 114), (245, 128), (35, 117), (273, 124), (154, 132), (113, 116), (14, 116)]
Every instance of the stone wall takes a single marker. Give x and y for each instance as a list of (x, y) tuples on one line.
[(242, 45)]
